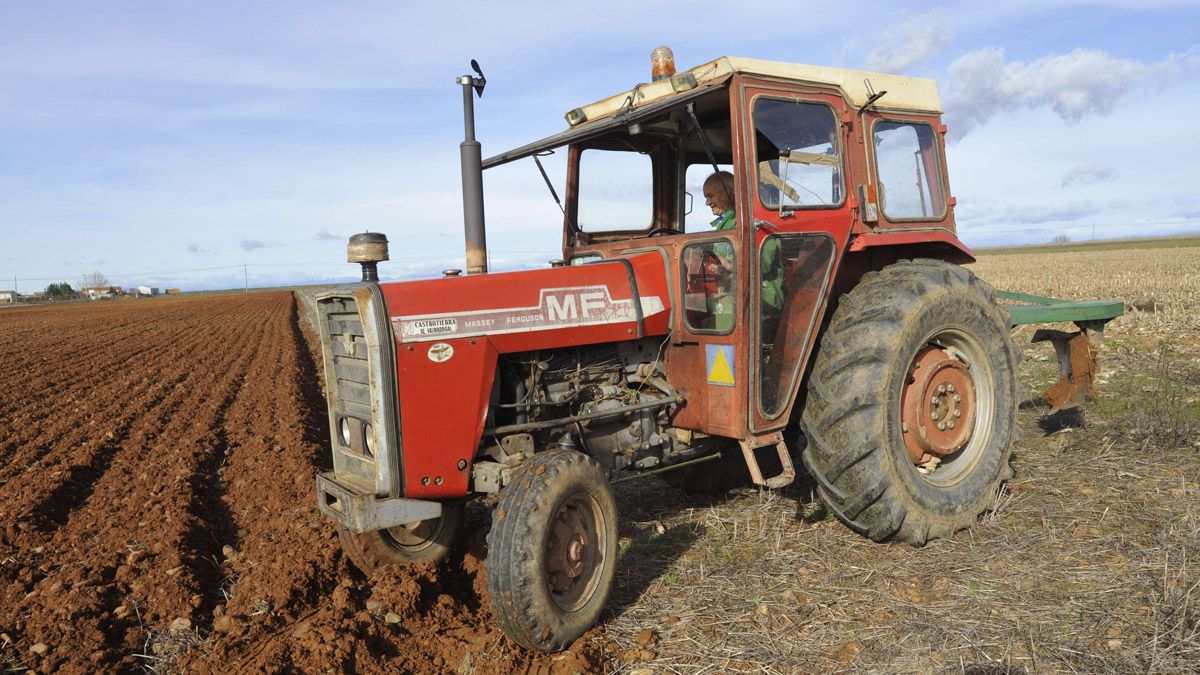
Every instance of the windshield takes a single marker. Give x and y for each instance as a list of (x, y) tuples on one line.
[(648, 175), (619, 190)]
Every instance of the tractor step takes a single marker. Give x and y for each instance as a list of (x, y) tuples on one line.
[(785, 477)]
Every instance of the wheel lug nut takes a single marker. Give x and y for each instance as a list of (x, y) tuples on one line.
[(941, 426), (950, 424), (958, 413), (934, 415), (941, 388), (933, 400), (950, 388), (957, 398)]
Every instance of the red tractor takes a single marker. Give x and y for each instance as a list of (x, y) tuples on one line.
[(830, 319)]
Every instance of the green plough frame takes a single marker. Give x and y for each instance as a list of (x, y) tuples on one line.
[(1076, 351)]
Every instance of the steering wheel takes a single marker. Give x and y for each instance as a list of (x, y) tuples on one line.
[(661, 230)]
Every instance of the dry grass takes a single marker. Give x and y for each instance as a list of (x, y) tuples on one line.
[(1090, 561)]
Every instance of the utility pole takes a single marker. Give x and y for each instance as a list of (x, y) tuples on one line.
[(1093, 232), (246, 277)]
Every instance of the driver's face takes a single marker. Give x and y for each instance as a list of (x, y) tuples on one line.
[(716, 198)]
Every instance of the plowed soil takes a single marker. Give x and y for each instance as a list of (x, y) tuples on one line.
[(157, 463)]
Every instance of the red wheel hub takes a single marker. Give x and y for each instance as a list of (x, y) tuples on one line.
[(937, 405), (567, 550)]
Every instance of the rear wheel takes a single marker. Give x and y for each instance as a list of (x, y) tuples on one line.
[(552, 550), (425, 541), (912, 403)]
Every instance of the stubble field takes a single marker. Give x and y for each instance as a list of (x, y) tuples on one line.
[(156, 513)]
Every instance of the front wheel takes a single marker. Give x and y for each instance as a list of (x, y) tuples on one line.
[(552, 550), (426, 541), (912, 403)]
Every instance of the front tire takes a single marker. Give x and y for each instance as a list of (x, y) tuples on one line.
[(552, 550), (426, 541), (912, 403)]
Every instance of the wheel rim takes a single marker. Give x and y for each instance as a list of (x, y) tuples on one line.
[(575, 551), (415, 536), (947, 406)]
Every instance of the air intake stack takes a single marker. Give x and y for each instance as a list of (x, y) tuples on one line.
[(368, 249)]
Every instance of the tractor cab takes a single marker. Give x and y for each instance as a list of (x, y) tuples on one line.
[(818, 163)]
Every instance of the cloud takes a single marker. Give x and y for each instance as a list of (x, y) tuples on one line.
[(1089, 175), (980, 215), (981, 84), (198, 249), (252, 245), (909, 44), (325, 235)]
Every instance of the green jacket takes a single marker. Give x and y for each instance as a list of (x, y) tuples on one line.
[(772, 274)]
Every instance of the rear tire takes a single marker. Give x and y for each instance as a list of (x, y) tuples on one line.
[(861, 422), (552, 550), (426, 541)]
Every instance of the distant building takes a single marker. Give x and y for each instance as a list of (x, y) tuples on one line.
[(143, 291), (174, 291), (9, 297), (103, 292)]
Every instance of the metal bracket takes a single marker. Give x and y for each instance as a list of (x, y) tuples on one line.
[(784, 478), (365, 512)]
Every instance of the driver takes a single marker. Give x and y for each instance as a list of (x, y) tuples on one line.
[(718, 196)]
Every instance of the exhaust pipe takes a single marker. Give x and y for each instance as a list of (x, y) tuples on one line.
[(472, 175)]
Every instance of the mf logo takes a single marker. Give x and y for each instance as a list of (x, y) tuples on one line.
[(573, 305)]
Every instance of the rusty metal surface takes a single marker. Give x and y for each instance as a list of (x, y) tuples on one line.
[(937, 405), (1076, 367), (786, 475)]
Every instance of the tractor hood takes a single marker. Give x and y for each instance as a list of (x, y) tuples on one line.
[(608, 300)]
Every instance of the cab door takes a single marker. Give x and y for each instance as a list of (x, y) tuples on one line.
[(795, 178), (706, 357)]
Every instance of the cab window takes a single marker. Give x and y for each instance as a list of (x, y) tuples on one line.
[(618, 190), (708, 297), (909, 171), (796, 154), (699, 216)]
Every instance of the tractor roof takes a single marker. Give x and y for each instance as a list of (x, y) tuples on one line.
[(646, 100), (903, 93)]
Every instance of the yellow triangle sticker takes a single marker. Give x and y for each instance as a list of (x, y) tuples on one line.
[(720, 372)]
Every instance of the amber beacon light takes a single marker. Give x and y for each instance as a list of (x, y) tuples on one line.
[(662, 63)]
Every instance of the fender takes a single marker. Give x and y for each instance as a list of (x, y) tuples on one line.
[(935, 243)]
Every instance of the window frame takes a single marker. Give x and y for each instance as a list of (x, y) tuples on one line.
[(938, 153), (580, 176), (800, 368), (733, 293), (752, 153)]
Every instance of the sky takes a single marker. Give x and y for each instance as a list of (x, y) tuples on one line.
[(208, 145)]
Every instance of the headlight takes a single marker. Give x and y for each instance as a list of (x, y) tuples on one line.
[(368, 443), (344, 431)]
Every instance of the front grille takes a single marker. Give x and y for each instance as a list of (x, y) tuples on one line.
[(357, 346), (347, 349)]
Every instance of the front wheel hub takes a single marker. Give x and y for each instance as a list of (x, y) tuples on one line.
[(937, 405), (568, 549)]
